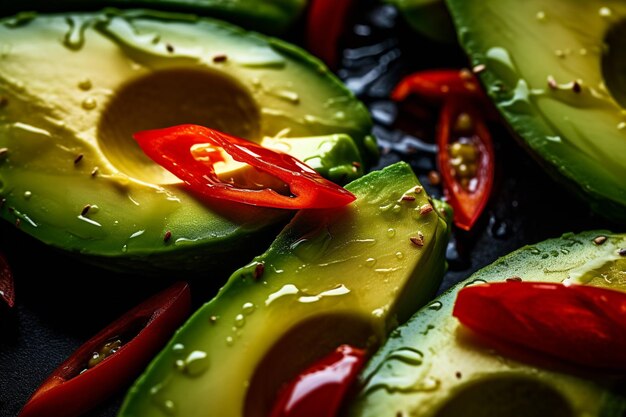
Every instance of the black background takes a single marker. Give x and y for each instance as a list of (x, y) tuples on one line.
[(60, 302)]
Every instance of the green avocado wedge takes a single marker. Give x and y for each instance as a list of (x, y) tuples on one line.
[(75, 87), (432, 366), (267, 16), (555, 70), (331, 277)]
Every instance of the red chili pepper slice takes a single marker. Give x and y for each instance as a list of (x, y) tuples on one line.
[(581, 324), (326, 21), (320, 389), (439, 85), (466, 160), (74, 388), (172, 149), (7, 287)]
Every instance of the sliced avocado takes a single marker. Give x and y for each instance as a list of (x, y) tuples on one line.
[(432, 366), (556, 73), (75, 87), (267, 16), (429, 18), (331, 277)]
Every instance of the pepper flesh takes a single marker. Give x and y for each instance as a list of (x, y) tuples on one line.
[(172, 148), (326, 21), (580, 324), (74, 388), (7, 287), (468, 201), (321, 388)]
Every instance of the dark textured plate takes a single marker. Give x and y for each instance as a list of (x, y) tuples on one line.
[(61, 302)]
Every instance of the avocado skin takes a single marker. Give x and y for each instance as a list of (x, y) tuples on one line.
[(575, 136), (460, 364), (268, 16), (378, 278), (206, 238)]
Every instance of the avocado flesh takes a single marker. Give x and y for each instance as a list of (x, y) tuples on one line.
[(432, 366), (331, 277), (82, 84), (579, 136), (267, 16)]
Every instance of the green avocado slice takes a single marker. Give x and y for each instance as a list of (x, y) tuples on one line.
[(555, 70), (267, 16), (331, 277), (75, 87), (432, 367)]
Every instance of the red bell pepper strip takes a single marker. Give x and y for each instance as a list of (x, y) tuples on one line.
[(581, 324), (466, 160), (172, 149), (438, 85), (76, 387), (320, 389), (7, 288), (326, 22)]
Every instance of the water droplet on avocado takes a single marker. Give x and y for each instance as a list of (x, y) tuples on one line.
[(408, 355), (229, 341), (391, 232), (248, 308), (399, 255), (178, 348), (169, 407), (240, 320), (27, 195), (89, 103), (370, 262), (196, 363), (85, 84), (435, 305), (75, 36), (475, 282)]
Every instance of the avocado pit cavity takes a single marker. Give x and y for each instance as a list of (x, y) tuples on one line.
[(167, 98)]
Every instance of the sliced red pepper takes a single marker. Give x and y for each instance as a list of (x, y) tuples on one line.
[(172, 149), (466, 160), (320, 389), (74, 387), (466, 157), (7, 288), (438, 85), (581, 324), (326, 22)]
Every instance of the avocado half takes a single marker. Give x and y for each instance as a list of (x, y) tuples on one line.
[(555, 70), (432, 366), (331, 277), (75, 87), (267, 16)]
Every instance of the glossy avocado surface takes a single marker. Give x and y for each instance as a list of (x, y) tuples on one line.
[(432, 366), (555, 70), (267, 16), (331, 277), (75, 87)]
